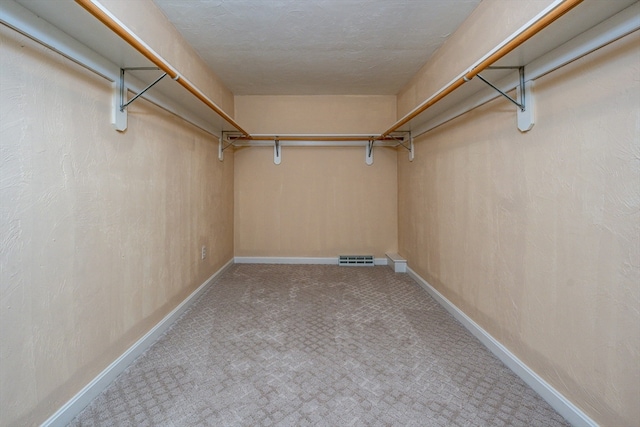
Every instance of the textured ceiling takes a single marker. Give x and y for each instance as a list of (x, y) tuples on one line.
[(287, 47)]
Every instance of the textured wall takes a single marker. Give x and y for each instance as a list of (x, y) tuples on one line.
[(100, 232), (536, 236), (319, 202)]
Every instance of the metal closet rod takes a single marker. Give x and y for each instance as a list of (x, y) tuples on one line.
[(129, 37), (512, 44)]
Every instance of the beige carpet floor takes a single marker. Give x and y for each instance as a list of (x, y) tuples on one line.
[(292, 345)]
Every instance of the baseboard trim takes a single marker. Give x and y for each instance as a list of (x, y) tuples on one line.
[(77, 403), (568, 410), (296, 260)]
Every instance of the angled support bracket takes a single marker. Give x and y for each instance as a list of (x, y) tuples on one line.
[(411, 149), (120, 103), (277, 152), (222, 146), (406, 141), (526, 117), (518, 104), (369, 152), (525, 112)]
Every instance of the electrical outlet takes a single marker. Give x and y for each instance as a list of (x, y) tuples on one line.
[(203, 252)]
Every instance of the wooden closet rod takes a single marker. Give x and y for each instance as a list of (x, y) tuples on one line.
[(332, 138), (129, 37), (516, 41)]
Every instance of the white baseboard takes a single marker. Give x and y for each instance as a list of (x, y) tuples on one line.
[(77, 403), (296, 260), (560, 403)]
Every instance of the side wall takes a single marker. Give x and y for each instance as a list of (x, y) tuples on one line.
[(101, 231), (320, 201), (536, 236)]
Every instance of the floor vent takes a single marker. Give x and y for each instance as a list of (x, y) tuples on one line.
[(356, 260)]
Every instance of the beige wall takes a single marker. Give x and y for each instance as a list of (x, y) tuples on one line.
[(536, 236), (319, 202), (101, 231)]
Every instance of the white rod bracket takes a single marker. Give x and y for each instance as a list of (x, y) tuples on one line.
[(118, 114), (411, 149), (369, 152), (407, 143), (277, 152), (222, 146), (119, 118), (525, 112), (526, 116)]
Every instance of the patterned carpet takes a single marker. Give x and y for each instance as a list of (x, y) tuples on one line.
[(317, 345)]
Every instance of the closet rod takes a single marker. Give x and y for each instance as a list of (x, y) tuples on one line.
[(333, 138), (317, 144), (95, 9), (509, 46)]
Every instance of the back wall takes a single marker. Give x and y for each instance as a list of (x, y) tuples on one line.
[(320, 201)]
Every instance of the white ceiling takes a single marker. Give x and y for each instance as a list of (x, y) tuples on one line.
[(302, 47)]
